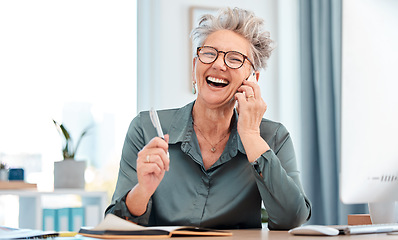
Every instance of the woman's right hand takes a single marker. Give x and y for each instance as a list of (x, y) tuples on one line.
[(152, 163)]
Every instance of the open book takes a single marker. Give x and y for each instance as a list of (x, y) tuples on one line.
[(116, 227)]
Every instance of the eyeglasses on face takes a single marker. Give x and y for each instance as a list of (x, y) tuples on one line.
[(232, 59)]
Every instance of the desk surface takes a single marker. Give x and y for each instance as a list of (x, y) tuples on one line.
[(279, 235)]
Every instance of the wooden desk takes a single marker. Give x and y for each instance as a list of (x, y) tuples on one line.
[(283, 235)]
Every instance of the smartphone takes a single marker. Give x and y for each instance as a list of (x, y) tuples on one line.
[(252, 77)]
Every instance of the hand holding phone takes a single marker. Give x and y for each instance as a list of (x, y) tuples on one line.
[(251, 78), (249, 94), (251, 108)]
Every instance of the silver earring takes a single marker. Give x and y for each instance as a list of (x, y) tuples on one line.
[(193, 87)]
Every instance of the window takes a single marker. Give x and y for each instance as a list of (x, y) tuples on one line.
[(72, 61)]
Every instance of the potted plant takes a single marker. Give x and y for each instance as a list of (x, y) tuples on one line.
[(69, 173), (3, 172)]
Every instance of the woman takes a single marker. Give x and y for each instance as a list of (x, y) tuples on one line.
[(222, 162)]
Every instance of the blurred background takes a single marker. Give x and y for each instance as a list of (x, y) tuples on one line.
[(99, 62)]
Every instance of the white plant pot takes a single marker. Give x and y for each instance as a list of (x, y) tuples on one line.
[(3, 175), (69, 174)]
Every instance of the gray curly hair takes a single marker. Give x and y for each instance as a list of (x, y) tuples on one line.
[(242, 22)]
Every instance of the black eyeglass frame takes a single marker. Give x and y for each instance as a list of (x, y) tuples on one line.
[(225, 53)]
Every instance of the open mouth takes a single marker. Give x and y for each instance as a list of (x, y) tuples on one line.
[(217, 82)]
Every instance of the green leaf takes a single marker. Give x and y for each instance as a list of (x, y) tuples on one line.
[(67, 149)]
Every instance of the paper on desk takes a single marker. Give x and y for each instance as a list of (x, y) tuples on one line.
[(13, 233), (112, 222)]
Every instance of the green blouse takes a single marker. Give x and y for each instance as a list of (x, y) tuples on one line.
[(228, 195)]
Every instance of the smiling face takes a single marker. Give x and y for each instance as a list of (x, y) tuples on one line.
[(216, 82)]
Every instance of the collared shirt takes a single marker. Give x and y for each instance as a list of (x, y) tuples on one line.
[(228, 195)]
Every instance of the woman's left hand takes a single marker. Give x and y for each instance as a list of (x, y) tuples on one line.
[(251, 109)]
